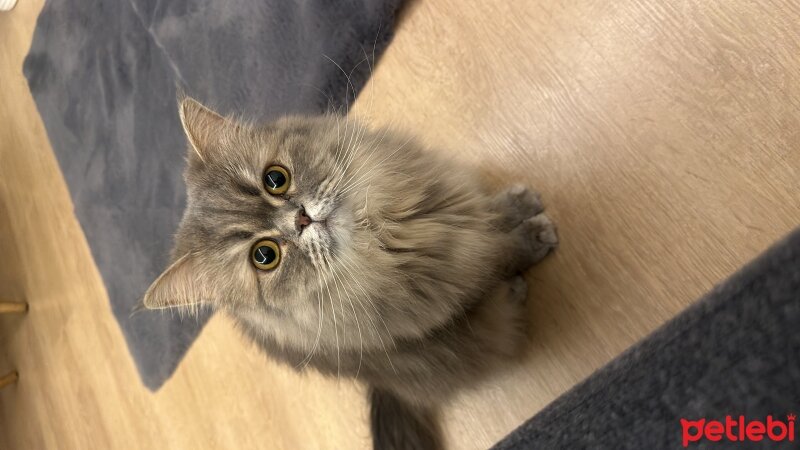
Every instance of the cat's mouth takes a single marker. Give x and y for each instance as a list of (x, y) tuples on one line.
[(330, 224), (322, 225)]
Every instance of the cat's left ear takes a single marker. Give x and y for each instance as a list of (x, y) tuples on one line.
[(179, 286), (204, 128)]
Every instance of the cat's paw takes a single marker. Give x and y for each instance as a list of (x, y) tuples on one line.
[(539, 237), (516, 204)]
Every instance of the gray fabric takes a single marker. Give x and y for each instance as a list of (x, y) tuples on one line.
[(104, 76), (736, 352)]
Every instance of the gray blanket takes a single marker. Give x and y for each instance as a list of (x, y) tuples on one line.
[(104, 76), (736, 352)]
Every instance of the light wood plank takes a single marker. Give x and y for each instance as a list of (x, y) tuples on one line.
[(662, 135)]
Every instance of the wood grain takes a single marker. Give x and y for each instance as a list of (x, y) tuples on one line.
[(664, 137)]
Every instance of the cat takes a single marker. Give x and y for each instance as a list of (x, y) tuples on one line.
[(357, 252)]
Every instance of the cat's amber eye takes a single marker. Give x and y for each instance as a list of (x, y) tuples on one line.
[(266, 254), (276, 180)]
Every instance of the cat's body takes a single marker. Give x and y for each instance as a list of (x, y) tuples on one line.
[(396, 267)]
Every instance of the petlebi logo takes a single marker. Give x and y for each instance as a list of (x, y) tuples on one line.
[(738, 429)]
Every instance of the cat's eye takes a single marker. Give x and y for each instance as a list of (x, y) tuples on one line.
[(276, 180), (266, 254)]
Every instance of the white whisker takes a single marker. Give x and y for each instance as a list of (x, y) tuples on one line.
[(335, 326), (355, 316)]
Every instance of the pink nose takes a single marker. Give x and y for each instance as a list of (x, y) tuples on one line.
[(302, 220)]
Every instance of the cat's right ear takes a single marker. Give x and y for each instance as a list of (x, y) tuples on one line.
[(203, 127), (179, 286)]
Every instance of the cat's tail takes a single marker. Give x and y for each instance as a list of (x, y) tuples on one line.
[(397, 425)]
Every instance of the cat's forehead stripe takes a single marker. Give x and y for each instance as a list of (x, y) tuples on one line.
[(237, 235), (246, 188)]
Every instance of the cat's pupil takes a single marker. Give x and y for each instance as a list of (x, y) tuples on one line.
[(275, 179), (264, 255)]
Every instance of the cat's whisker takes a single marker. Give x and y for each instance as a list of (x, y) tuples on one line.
[(346, 87), (334, 115), (349, 264), (347, 165), (368, 153), (340, 136), (356, 133), (321, 315), (372, 324), (359, 130), (340, 147), (377, 313), (350, 149), (350, 75), (377, 165), (346, 94), (364, 129), (332, 271), (371, 71), (383, 135), (355, 316), (338, 133), (341, 153), (352, 153), (365, 209), (335, 326), (356, 172), (350, 129), (386, 129), (336, 283)]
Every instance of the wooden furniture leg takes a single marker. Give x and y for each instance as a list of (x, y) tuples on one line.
[(9, 308), (13, 307), (9, 378)]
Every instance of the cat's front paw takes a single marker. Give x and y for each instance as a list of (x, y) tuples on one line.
[(538, 237), (516, 204)]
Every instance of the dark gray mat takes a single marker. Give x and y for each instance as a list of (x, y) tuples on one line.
[(736, 352), (104, 75)]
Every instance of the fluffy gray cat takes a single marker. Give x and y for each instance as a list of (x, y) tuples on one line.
[(357, 252)]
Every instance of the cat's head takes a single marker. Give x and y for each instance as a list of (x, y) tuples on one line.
[(272, 210)]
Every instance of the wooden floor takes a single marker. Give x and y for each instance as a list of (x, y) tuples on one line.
[(664, 136)]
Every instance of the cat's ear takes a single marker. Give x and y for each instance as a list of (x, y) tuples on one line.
[(203, 127), (181, 285)]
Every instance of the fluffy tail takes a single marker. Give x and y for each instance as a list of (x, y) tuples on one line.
[(397, 425)]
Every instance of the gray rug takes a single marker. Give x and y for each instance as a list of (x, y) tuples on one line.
[(104, 76), (736, 352)]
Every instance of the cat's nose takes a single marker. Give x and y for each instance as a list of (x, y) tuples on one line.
[(302, 220)]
